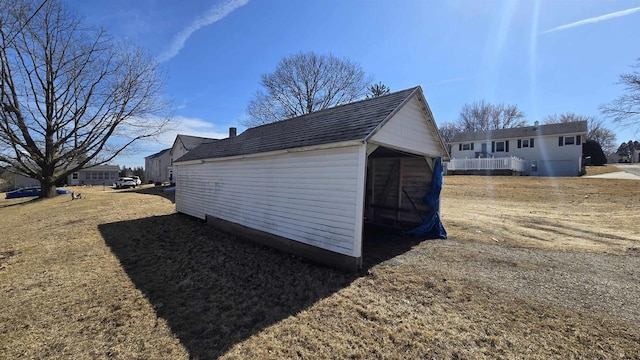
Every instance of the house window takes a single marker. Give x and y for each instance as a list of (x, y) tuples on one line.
[(87, 176), (569, 140), (100, 175), (500, 146), (525, 143), (75, 176), (462, 147), (94, 175)]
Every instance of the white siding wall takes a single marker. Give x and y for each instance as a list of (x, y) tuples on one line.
[(410, 130), (553, 160), (177, 151), (155, 169), (311, 197)]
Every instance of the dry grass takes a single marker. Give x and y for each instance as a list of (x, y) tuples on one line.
[(549, 213), (598, 170), (119, 275)]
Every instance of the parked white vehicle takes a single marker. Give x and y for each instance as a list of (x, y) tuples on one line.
[(137, 180), (125, 182)]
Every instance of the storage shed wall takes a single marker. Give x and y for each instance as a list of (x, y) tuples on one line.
[(411, 131), (311, 196)]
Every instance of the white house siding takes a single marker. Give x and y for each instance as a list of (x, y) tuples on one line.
[(177, 151), (23, 181), (310, 197), (551, 159), (409, 130), (155, 168)]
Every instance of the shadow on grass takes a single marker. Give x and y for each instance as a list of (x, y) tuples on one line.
[(17, 202), (215, 290), (152, 190)]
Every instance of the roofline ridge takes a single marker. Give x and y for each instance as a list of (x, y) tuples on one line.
[(335, 107)]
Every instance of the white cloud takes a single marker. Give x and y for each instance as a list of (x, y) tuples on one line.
[(192, 126), (593, 20), (215, 13)]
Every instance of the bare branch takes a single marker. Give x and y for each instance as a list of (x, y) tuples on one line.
[(304, 83), (481, 116), (625, 110), (69, 95)]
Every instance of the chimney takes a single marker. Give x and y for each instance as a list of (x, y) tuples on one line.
[(232, 132), (536, 123)]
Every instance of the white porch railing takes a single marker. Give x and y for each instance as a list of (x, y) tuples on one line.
[(502, 163)]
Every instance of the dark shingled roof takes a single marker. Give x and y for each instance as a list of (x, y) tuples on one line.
[(106, 167), (158, 153), (353, 121), (523, 132), (191, 142)]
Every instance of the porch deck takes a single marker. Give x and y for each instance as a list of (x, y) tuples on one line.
[(486, 166)]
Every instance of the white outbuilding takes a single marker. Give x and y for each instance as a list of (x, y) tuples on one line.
[(309, 185)]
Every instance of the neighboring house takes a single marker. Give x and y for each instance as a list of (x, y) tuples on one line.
[(156, 165), (613, 158), (306, 185), (182, 145), (539, 150), (95, 175), (20, 181)]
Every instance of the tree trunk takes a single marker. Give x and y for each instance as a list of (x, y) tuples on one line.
[(47, 189)]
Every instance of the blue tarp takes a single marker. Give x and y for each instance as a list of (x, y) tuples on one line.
[(432, 227)]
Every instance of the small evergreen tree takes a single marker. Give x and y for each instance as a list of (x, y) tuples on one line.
[(591, 149), (376, 90)]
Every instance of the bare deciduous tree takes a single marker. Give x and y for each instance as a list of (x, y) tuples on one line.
[(448, 131), (596, 129), (304, 83), (481, 116), (69, 95), (625, 110)]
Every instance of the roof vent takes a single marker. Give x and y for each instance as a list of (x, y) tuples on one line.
[(232, 132)]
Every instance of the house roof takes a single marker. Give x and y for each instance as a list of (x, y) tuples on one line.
[(158, 154), (523, 132), (100, 168), (191, 142), (354, 121)]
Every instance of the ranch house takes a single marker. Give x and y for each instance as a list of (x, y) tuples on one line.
[(539, 150), (308, 185)]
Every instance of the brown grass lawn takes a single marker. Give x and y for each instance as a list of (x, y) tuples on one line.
[(534, 268), (597, 170)]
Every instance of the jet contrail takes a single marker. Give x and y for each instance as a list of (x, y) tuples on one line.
[(216, 13), (593, 20)]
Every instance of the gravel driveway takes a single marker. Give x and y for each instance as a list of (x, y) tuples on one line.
[(581, 281)]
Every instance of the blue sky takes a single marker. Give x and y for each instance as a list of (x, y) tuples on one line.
[(546, 56)]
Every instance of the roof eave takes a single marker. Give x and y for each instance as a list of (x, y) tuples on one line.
[(327, 146)]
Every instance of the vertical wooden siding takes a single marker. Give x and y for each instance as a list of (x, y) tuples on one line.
[(416, 179), (411, 131), (309, 196), (394, 179)]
